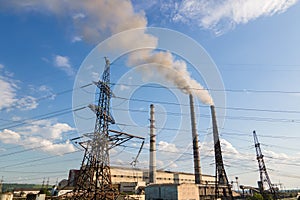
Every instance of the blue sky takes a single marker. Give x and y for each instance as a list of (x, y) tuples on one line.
[(47, 45)]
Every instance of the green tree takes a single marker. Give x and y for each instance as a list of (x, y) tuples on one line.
[(256, 196), (45, 191)]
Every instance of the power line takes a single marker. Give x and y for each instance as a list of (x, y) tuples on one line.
[(42, 117), (30, 149), (36, 160), (50, 96), (211, 89), (266, 136), (278, 146), (173, 113), (31, 172), (207, 106)]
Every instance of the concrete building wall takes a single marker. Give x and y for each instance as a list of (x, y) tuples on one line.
[(172, 192), (119, 175), (188, 192), (129, 187), (161, 191)]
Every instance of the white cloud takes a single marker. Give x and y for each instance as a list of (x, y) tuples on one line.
[(16, 118), (63, 63), (9, 97), (46, 128), (79, 16), (220, 16), (44, 135), (7, 93), (76, 39), (27, 103), (48, 146), (228, 148), (8, 89), (124, 87), (95, 76), (42, 91), (9, 136), (279, 156), (166, 147), (93, 19)]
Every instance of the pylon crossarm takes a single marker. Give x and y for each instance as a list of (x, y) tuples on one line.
[(117, 138)]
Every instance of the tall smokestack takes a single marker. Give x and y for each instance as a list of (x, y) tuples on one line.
[(214, 124), (197, 168), (221, 177), (152, 163)]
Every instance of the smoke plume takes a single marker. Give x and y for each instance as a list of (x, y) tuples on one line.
[(98, 19)]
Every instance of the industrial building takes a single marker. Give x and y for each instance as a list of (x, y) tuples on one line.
[(132, 180)]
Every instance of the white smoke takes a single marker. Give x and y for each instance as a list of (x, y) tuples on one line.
[(174, 71), (97, 19)]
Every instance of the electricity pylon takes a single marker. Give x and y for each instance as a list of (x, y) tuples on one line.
[(264, 177), (94, 179)]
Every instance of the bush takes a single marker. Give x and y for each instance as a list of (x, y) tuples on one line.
[(256, 196)]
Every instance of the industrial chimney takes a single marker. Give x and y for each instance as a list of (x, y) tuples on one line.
[(214, 124), (221, 177), (152, 163), (197, 168)]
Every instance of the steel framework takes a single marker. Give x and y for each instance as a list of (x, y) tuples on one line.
[(264, 177), (94, 180)]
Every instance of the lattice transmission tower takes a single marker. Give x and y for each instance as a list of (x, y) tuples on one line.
[(264, 177), (94, 179)]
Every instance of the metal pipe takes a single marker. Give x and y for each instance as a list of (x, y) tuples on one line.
[(196, 153), (152, 163)]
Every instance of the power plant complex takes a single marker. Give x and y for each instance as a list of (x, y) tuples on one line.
[(98, 180)]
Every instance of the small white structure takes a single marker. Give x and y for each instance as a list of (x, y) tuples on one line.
[(6, 196), (22, 192), (63, 192)]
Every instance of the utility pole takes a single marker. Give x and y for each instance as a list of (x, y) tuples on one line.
[(47, 184), (264, 177), (1, 185), (43, 184)]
